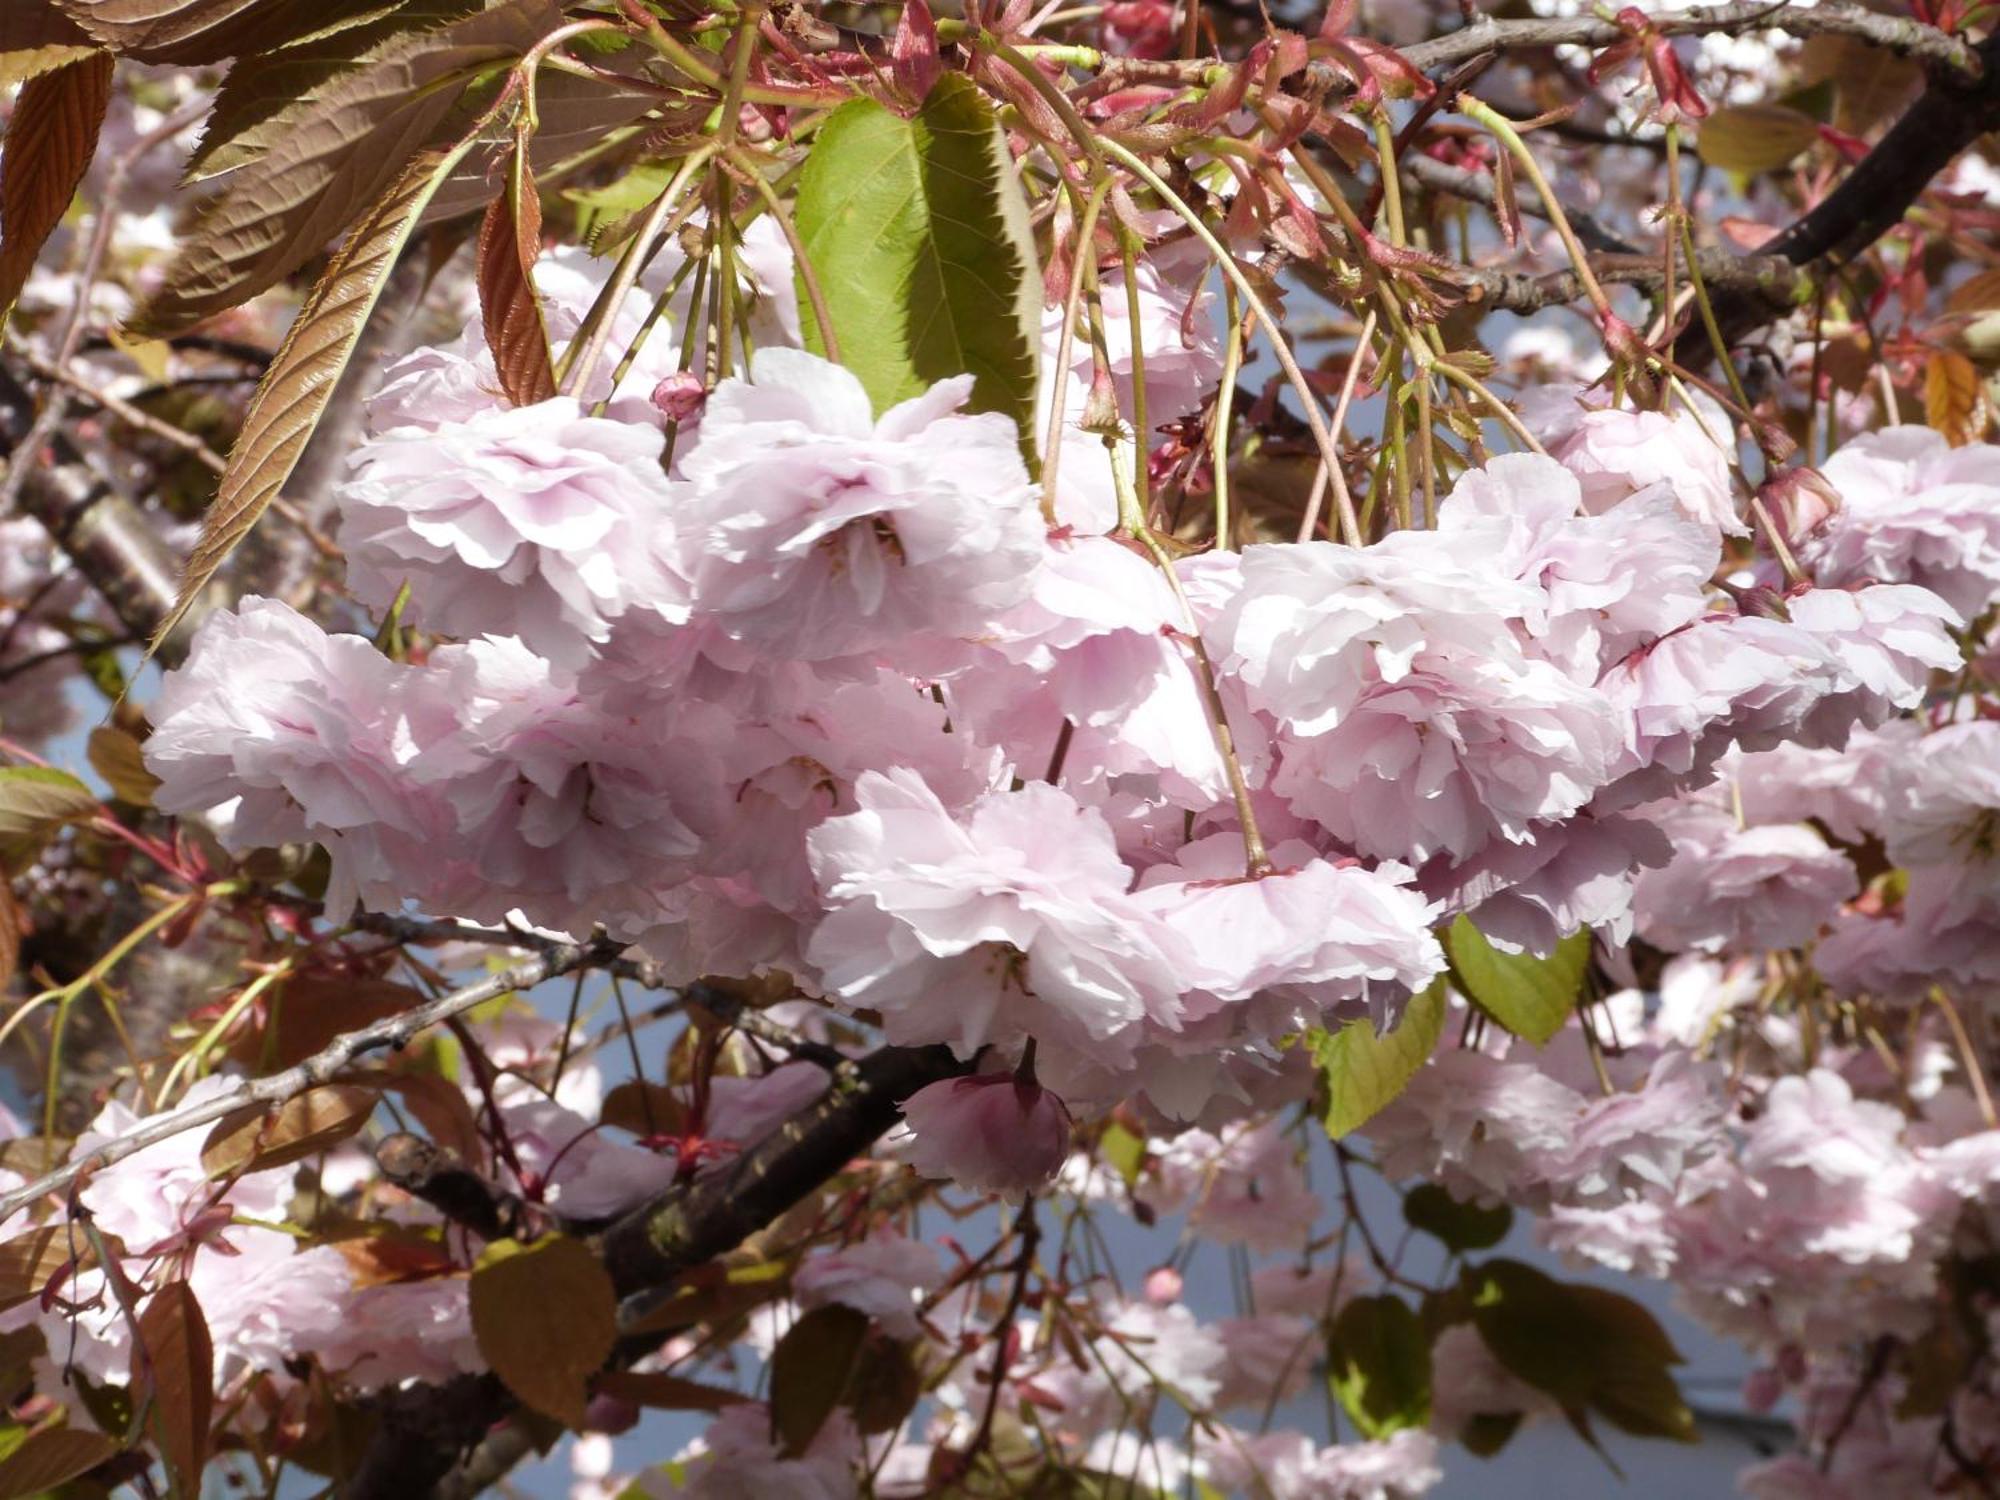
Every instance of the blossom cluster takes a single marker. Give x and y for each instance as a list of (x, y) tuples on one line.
[(772, 685)]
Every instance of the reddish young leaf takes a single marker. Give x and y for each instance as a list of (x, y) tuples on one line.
[(179, 1357), (510, 239), (52, 1457), (11, 925), (546, 1317), (1951, 397), (256, 1139), (29, 1262), (51, 137)]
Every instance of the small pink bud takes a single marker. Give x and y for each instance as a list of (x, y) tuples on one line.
[(610, 1414), (1801, 501), (991, 1132), (1163, 1286), (1100, 407), (681, 396)]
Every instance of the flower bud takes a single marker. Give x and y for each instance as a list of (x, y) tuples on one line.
[(1801, 502), (990, 1132), (681, 397)]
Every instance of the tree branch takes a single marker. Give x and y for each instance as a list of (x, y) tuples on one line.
[(1906, 38), (447, 1442), (322, 1067)]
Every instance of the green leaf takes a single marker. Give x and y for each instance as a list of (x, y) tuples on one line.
[(1123, 1151), (1530, 996), (1378, 1363), (1753, 138), (1462, 1226), (1590, 1349), (918, 234), (34, 802), (1362, 1072), (810, 1371)]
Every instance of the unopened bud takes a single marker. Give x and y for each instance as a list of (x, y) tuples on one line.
[(1100, 407), (681, 397), (1801, 501)]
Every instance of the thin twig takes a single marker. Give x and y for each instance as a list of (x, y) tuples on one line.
[(321, 1068)]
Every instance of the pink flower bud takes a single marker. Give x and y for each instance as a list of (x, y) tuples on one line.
[(1801, 501), (991, 1132), (681, 396), (1100, 407), (610, 1414), (1163, 1285)]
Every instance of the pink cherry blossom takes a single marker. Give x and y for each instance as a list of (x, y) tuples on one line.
[(808, 529), (538, 522)]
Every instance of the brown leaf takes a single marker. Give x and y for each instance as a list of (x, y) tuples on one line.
[(510, 240), (203, 31), (12, 927), (441, 1109), (301, 379), (29, 1262), (19, 67), (1506, 205), (546, 1317), (51, 137), (1951, 397), (664, 1392), (28, 25), (1753, 138), (394, 1255), (810, 1372), (256, 1138), (267, 93), (353, 148), (1870, 83), (644, 1108), (1975, 294), (52, 1457), (180, 1358), (119, 759), (312, 1009)]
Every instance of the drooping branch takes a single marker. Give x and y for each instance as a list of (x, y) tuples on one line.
[(1906, 38)]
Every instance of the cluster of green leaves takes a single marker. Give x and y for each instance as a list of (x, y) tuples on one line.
[(1591, 1352), (1362, 1072)]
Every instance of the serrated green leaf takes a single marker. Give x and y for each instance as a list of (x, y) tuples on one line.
[(918, 234), (1530, 996), (1378, 1365), (1461, 1226), (1361, 1072)]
